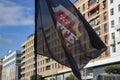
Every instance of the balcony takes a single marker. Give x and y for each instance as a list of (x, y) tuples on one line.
[(91, 2), (104, 4), (111, 42), (118, 40), (94, 21), (117, 27), (93, 11)]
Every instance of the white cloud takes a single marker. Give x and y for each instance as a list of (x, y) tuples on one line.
[(4, 41), (12, 14)]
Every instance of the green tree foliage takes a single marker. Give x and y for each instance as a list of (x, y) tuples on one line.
[(39, 77), (71, 77), (112, 69)]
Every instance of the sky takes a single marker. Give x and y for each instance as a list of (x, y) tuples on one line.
[(16, 24)]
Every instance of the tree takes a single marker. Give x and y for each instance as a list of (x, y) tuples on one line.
[(112, 69), (39, 77), (116, 70), (71, 77)]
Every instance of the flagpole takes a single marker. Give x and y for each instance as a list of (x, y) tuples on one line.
[(35, 65), (35, 42)]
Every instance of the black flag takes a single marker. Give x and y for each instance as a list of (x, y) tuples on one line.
[(64, 35)]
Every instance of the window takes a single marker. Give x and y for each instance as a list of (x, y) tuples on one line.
[(19, 55), (52, 66), (91, 2), (119, 7), (106, 39), (111, 1), (78, 8), (48, 67), (113, 36), (112, 11), (119, 32), (47, 60), (104, 4), (119, 19), (43, 69), (97, 30), (18, 61), (95, 21), (83, 7), (43, 61), (105, 27), (113, 49), (105, 15), (112, 23), (106, 52), (84, 15)]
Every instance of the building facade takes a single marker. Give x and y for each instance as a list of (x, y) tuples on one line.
[(96, 13), (0, 69), (46, 67), (107, 27), (27, 68), (11, 66), (114, 19)]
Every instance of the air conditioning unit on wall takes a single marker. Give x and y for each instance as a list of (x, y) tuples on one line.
[(96, 22)]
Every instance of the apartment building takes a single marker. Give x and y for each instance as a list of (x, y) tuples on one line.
[(11, 66), (96, 13), (46, 67), (27, 68), (114, 31), (0, 69), (107, 27), (114, 27)]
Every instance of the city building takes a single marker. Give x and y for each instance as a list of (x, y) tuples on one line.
[(46, 67), (114, 27), (96, 13), (114, 38), (0, 69), (109, 31), (11, 66), (27, 68)]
